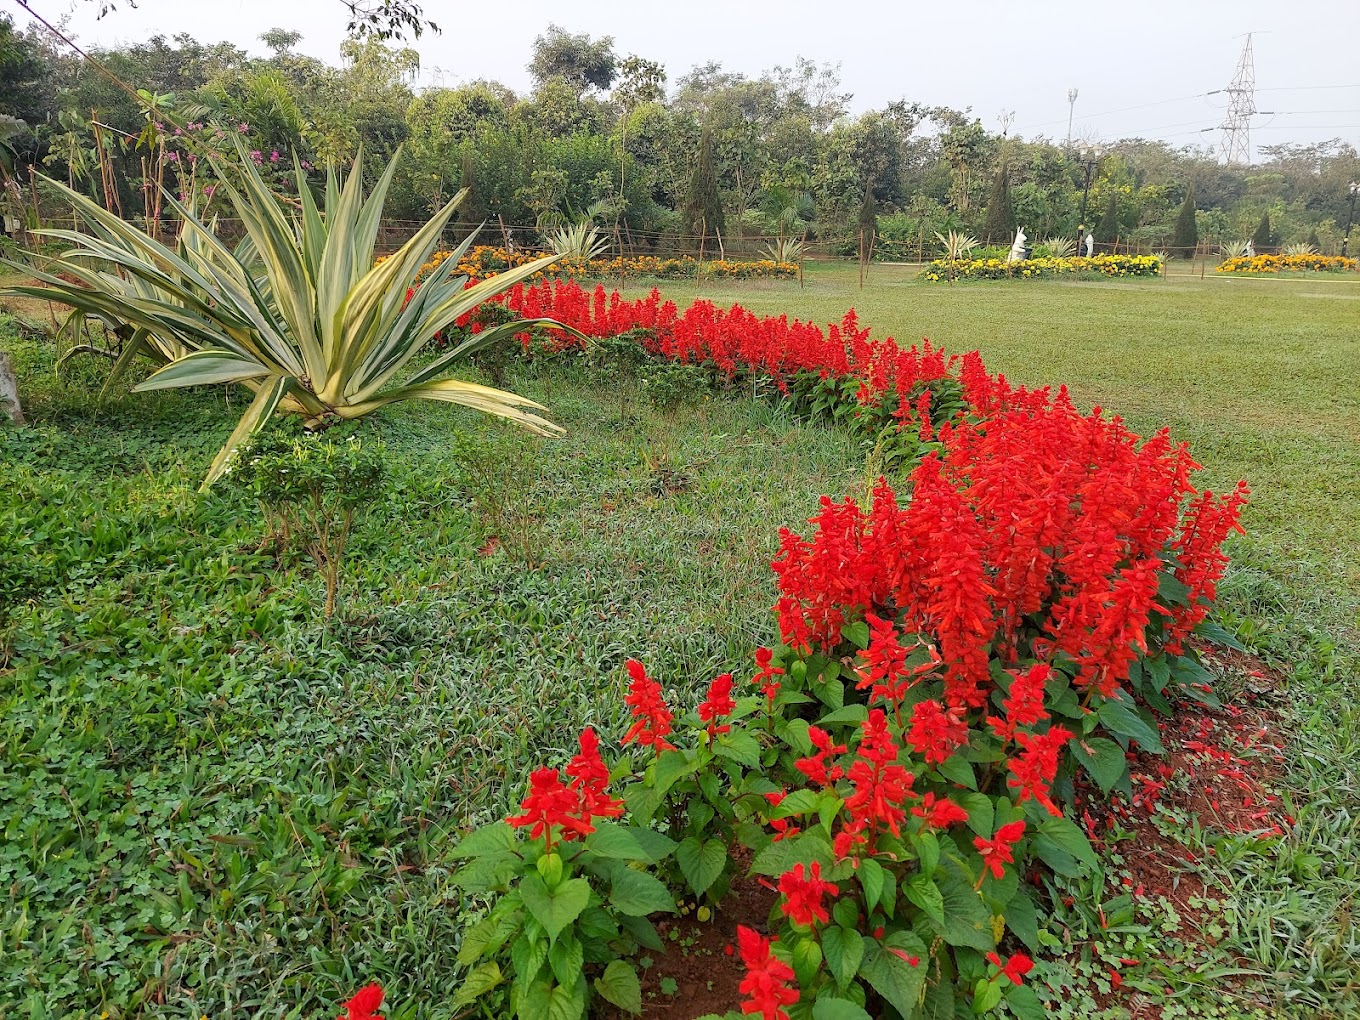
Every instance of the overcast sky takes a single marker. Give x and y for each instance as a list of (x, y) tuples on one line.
[(1139, 69)]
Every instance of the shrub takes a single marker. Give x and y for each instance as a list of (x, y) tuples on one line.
[(1035, 268), (310, 488), (1288, 263), (1186, 238), (1264, 237)]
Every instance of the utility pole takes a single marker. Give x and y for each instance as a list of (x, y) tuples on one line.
[(1071, 108), (1236, 140)]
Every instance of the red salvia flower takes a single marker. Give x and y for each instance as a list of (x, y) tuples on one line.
[(939, 814), (783, 827), (718, 705), (765, 678), (803, 892), (882, 788), (551, 805), (935, 733), (1033, 769), (766, 984), (590, 780), (365, 1004), (1015, 967), (996, 852), (651, 718), (1024, 702), (815, 767)]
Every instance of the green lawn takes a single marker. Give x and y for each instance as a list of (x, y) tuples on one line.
[(214, 803)]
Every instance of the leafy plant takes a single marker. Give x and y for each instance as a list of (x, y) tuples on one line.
[(300, 314), (311, 487), (1056, 247), (580, 240), (1235, 249), (1301, 248), (785, 250)]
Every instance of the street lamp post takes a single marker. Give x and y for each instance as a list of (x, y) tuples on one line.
[(1090, 159), (1350, 217)]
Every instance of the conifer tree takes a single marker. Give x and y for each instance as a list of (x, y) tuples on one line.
[(703, 205), (1186, 238), (1261, 240), (1107, 230), (1000, 225)]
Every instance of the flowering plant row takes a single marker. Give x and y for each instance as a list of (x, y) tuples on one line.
[(486, 260), (1288, 264), (954, 665), (1026, 269)]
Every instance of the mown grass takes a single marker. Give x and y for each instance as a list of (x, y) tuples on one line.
[(213, 803)]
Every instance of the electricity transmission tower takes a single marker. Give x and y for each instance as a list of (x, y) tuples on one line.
[(1236, 140)]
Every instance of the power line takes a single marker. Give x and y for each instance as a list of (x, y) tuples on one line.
[(1236, 146)]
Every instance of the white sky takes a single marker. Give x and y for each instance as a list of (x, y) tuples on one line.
[(1140, 69)]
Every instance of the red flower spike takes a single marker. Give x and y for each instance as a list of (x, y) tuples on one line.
[(815, 767), (996, 852), (365, 1004), (802, 903), (766, 982), (718, 705), (765, 678), (651, 718), (1015, 967)]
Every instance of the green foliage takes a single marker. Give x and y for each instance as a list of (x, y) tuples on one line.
[(668, 385), (1000, 225), (1263, 239), (703, 206), (303, 317), (310, 488), (1107, 229), (1186, 238)]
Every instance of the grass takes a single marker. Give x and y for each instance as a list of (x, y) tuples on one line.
[(215, 804)]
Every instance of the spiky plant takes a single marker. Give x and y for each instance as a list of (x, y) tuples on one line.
[(299, 313), (1234, 249), (581, 240), (956, 244), (1059, 247), (787, 249), (1302, 248)]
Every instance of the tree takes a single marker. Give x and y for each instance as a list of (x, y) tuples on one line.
[(1187, 232), (280, 40), (1000, 225), (640, 81), (1263, 239), (380, 19), (703, 205), (1107, 230), (577, 60)]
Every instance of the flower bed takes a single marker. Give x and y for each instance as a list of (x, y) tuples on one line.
[(956, 661), (1028, 269), (1288, 264), (486, 260)]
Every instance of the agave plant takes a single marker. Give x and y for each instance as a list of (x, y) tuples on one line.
[(1302, 248), (785, 249), (298, 312), (581, 240), (956, 244), (1235, 249), (1059, 247)]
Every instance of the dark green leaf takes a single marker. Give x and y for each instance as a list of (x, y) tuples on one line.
[(557, 908), (619, 984)]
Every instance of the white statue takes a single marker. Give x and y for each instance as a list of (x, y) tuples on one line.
[(1090, 245), (1018, 248)]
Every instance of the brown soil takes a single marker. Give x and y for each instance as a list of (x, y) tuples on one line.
[(701, 958)]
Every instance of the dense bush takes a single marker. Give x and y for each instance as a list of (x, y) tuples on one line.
[(1288, 264)]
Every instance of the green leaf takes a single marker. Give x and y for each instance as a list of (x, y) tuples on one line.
[(616, 843), (923, 892), (568, 961), (643, 932), (893, 977), (557, 908), (1024, 1003), (619, 984), (856, 633), (740, 746), (1118, 718), (672, 765), (487, 936), (637, 894), (981, 812), (850, 715), (496, 838), (478, 982), (871, 881), (656, 845), (1217, 635), (958, 770), (844, 950), (1102, 758), (986, 995), (1022, 920), (528, 954), (779, 857), (1068, 837), (967, 921), (927, 847), (837, 1009), (701, 863)]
